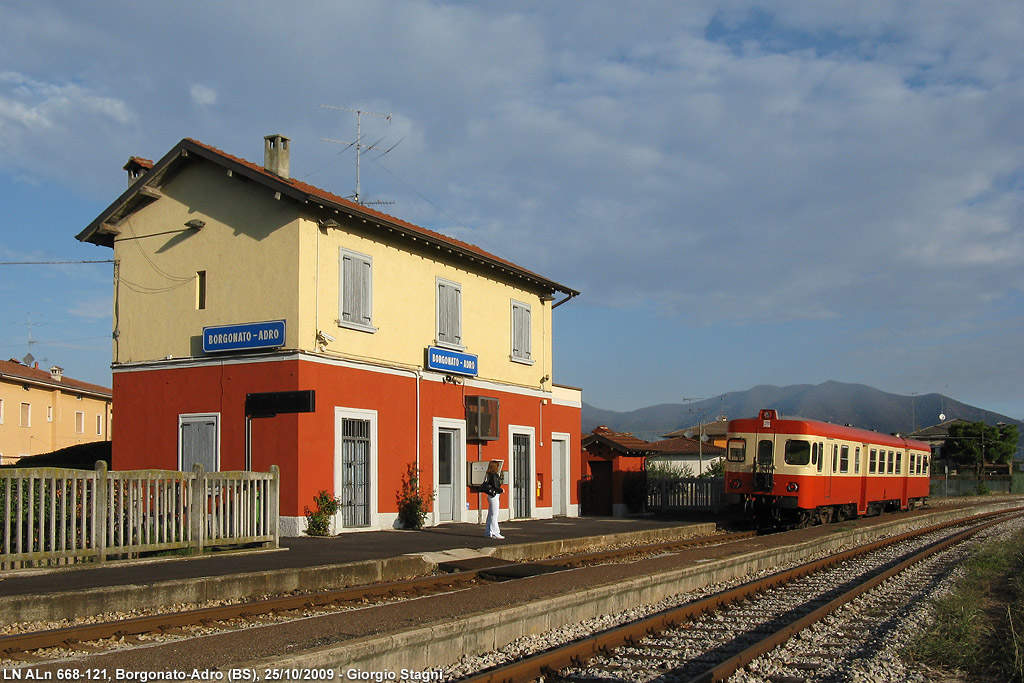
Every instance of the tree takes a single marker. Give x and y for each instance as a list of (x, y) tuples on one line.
[(973, 444)]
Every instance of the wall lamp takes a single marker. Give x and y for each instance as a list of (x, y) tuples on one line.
[(195, 224), (326, 223)]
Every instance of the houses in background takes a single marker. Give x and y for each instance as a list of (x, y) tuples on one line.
[(43, 411), (614, 464)]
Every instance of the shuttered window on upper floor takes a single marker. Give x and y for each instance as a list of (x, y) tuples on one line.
[(521, 338), (449, 313), (356, 290)]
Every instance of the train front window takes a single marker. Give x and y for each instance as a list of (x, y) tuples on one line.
[(798, 452), (765, 453), (737, 451)]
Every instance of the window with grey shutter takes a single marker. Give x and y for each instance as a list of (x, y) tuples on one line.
[(356, 296), (521, 332), (449, 313)]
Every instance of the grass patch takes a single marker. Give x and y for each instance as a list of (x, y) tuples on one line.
[(979, 627)]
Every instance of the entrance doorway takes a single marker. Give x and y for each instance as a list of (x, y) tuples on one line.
[(445, 474), (449, 470), (522, 474), (355, 465)]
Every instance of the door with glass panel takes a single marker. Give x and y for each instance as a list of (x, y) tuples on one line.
[(446, 452)]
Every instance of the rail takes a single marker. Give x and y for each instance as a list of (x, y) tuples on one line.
[(52, 516)]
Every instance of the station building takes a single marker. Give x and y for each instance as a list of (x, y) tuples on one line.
[(42, 411), (259, 320)]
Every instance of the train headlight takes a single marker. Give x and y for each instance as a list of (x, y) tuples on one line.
[(792, 487), (735, 483)]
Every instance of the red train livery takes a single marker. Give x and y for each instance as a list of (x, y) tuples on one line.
[(795, 472)]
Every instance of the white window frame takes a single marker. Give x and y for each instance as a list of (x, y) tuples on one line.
[(453, 339), (26, 416), (356, 259), (184, 418), (520, 337)]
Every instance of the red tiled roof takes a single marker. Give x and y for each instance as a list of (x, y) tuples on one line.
[(15, 370), (305, 192), (622, 441), (682, 445)]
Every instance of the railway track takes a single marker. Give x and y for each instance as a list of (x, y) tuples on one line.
[(712, 638), (31, 646)]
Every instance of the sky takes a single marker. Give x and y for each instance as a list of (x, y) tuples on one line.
[(744, 193)]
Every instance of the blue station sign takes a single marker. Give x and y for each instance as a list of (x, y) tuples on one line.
[(446, 360), (244, 336)]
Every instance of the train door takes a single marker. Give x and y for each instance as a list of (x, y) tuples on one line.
[(862, 504), (831, 466), (764, 460)]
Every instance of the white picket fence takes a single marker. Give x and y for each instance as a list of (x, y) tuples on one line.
[(51, 516), (684, 493)]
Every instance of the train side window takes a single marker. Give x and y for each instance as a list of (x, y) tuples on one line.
[(814, 454), (892, 462), (899, 462), (844, 458), (926, 463), (798, 452), (856, 460), (835, 458), (873, 461), (913, 463), (737, 451), (821, 456)]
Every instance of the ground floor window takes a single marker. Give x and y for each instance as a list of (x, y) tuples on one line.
[(198, 442)]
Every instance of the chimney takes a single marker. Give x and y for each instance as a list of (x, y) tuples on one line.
[(56, 373), (275, 155)]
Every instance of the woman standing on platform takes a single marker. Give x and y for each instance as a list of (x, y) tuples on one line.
[(492, 487)]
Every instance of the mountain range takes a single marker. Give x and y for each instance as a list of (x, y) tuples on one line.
[(837, 402)]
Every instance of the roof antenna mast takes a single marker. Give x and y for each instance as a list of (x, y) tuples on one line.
[(358, 144)]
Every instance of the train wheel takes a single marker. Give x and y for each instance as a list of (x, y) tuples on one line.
[(824, 515)]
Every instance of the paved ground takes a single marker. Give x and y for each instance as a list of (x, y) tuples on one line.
[(311, 552)]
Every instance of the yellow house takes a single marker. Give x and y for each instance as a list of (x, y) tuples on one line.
[(44, 411), (236, 284)]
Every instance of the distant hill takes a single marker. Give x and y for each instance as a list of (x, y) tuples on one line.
[(855, 404)]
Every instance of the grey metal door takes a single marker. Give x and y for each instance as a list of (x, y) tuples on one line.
[(355, 472), (521, 475), (198, 443), (445, 465)]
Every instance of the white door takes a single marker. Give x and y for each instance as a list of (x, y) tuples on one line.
[(559, 468), (446, 453)]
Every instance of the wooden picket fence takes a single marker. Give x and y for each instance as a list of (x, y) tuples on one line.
[(52, 516)]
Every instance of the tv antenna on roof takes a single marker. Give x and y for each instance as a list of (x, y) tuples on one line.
[(360, 147)]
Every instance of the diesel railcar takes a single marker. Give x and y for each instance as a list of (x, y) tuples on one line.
[(796, 472)]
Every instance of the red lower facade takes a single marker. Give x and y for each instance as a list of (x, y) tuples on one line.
[(370, 424)]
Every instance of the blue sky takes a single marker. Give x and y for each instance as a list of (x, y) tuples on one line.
[(745, 192)]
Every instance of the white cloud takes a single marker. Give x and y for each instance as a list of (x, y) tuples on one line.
[(203, 95)]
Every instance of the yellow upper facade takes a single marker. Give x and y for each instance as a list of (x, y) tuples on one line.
[(204, 239), (41, 411)]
